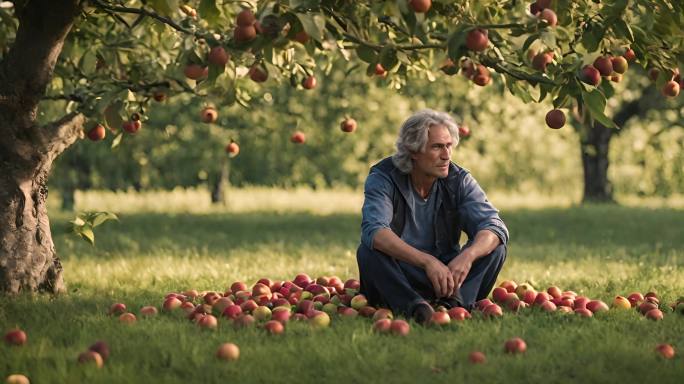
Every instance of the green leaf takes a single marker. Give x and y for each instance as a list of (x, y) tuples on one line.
[(164, 7), (209, 11), (101, 217), (596, 104), (367, 54), (531, 39), (456, 45), (112, 115), (388, 58), (313, 25), (549, 39), (117, 140), (622, 29), (87, 234)]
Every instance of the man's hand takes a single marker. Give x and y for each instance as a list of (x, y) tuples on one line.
[(441, 278), (459, 267)]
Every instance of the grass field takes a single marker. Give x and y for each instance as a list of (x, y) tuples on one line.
[(176, 241)]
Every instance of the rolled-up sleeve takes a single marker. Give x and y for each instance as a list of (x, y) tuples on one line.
[(477, 213), (377, 206)]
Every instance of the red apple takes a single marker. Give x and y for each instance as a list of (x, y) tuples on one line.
[(209, 115), (548, 306), (380, 70), (671, 89), (440, 318), (243, 321), (629, 54), (382, 326), (242, 34), (97, 133), (16, 337), (584, 312), (228, 352), (666, 351), (654, 314), (195, 71), (400, 327), (348, 125), (117, 309), (459, 314), (604, 65), (420, 6), (581, 302), (621, 302), (591, 75), (257, 74), (477, 40), (281, 314), (492, 311), (555, 119), (218, 56), (383, 313), (208, 322), (482, 304), (309, 82), (635, 298), (91, 357), (509, 285), (127, 318), (102, 348), (274, 327), (515, 345), (17, 379), (555, 292), (597, 306), (148, 311), (245, 18), (550, 17), (499, 294), (477, 357)]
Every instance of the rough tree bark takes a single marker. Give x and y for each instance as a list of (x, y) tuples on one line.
[(219, 186), (595, 145), (28, 261)]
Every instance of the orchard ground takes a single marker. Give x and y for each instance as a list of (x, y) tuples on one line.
[(174, 241)]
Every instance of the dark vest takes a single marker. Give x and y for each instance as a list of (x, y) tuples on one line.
[(446, 225)]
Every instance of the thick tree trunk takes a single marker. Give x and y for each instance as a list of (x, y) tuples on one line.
[(220, 184), (595, 146), (28, 261)]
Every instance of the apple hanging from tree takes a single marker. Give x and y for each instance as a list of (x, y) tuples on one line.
[(209, 115), (420, 6), (97, 133), (348, 125)]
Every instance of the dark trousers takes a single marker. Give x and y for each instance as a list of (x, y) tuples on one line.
[(386, 281)]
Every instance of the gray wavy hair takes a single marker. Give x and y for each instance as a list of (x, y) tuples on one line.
[(413, 135)]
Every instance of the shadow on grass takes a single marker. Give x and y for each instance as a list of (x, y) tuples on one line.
[(631, 230)]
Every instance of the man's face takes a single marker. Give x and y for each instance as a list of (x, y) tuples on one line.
[(436, 156)]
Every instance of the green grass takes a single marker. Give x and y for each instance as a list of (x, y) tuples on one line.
[(595, 250)]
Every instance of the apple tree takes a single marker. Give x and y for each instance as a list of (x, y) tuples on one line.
[(111, 59)]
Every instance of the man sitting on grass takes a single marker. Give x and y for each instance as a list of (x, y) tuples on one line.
[(416, 204)]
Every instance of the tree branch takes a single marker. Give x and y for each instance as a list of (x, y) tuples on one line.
[(141, 11)]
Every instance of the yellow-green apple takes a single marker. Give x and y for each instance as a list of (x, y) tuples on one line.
[(16, 337), (262, 313), (621, 302), (665, 350), (597, 306), (440, 318), (382, 326), (459, 313), (359, 301), (91, 357), (584, 312), (148, 311), (127, 318), (330, 308), (274, 327), (620, 64), (102, 348), (228, 352), (208, 322), (400, 327), (521, 288), (654, 314), (319, 320), (118, 308), (515, 345), (477, 357), (17, 378)]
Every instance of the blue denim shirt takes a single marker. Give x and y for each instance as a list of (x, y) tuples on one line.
[(473, 211)]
